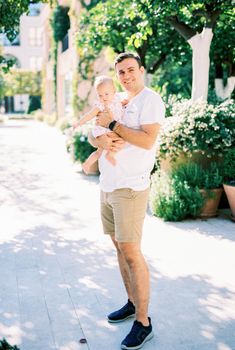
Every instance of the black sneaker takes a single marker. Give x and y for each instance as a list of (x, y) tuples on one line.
[(138, 336), (125, 312)]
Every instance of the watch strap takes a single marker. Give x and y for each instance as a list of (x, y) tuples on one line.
[(112, 125)]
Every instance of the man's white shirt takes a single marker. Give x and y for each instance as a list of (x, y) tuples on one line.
[(133, 163)]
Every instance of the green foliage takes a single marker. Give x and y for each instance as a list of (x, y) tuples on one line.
[(143, 26), (60, 22), (207, 177), (176, 195), (127, 25), (78, 144), (4, 345), (198, 127), (11, 11), (229, 166), (172, 198), (34, 104), (19, 81)]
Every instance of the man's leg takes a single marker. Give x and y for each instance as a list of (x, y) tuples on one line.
[(138, 278), (124, 269)]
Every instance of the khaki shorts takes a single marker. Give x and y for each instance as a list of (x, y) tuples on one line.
[(123, 212)]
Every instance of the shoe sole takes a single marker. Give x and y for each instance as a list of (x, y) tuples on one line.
[(120, 320), (149, 337)]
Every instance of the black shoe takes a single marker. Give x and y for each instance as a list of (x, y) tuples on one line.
[(138, 336), (125, 312)]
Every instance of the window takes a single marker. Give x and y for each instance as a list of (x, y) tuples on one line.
[(34, 9), (35, 63), (35, 36)]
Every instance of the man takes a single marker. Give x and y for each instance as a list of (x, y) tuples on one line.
[(125, 188)]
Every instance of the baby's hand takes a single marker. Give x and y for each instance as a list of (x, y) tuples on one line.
[(124, 102), (76, 125)]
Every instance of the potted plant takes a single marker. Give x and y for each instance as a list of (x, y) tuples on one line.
[(211, 189), (208, 179), (196, 131), (229, 179)]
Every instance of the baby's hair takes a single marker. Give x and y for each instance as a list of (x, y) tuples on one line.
[(102, 79)]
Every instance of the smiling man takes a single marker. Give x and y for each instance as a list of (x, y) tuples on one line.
[(125, 189)]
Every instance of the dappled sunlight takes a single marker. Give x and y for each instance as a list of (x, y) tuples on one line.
[(182, 253), (13, 333), (72, 345), (220, 306)]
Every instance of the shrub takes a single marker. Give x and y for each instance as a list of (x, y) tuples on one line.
[(34, 104), (172, 198), (78, 144), (4, 345), (176, 195), (229, 167), (198, 176), (198, 127)]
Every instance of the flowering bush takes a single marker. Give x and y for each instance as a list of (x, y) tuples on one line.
[(78, 145), (198, 128)]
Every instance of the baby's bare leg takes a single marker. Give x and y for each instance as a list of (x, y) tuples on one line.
[(110, 156), (93, 157)]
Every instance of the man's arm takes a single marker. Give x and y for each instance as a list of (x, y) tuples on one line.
[(144, 138)]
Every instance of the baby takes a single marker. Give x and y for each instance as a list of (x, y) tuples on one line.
[(107, 99)]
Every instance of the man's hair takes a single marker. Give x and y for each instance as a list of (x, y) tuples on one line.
[(102, 79), (124, 55)]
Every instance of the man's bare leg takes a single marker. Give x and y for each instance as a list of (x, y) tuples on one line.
[(135, 274), (124, 269)]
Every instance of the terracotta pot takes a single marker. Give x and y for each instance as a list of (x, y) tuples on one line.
[(230, 193), (212, 202)]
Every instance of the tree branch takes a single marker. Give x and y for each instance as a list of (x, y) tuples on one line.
[(151, 69), (183, 29)]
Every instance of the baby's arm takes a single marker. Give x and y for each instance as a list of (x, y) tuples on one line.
[(87, 117)]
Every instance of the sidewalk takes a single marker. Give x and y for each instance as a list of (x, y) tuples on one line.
[(59, 274)]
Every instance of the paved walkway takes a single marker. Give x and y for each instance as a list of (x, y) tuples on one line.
[(58, 272)]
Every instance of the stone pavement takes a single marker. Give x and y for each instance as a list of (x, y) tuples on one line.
[(58, 272)]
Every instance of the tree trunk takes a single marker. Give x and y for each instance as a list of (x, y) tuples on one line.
[(200, 44), (224, 91)]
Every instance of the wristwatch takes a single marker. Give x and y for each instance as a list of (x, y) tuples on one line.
[(112, 125)]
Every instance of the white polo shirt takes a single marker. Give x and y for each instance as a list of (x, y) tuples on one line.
[(133, 163)]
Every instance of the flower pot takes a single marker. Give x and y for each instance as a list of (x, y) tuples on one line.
[(212, 199), (230, 193)]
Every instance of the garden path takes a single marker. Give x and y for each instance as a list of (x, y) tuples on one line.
[(59, 275)]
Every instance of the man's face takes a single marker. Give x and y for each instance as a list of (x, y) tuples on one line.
[(130, 74)]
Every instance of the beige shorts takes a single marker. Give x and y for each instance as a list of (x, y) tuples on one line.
[(123, 212)]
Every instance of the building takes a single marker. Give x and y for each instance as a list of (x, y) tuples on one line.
[(27, 50)]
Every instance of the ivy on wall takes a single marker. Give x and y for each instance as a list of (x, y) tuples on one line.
[(60, 24)]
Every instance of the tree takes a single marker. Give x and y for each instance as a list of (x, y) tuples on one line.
[(124, 25), (11, 11), (222, 54), (147, 26)]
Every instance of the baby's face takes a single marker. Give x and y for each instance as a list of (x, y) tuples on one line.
[(105, 92)]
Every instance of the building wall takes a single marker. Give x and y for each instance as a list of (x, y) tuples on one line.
[(29, 52)]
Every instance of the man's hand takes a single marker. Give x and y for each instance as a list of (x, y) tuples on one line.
[(110, 142), (104, 118)]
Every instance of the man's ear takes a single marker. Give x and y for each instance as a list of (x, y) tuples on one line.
[(142, 69)]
